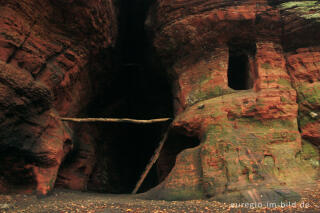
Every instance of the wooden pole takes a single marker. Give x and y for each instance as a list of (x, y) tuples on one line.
[(153, 160), (115, 120), (156, 155)]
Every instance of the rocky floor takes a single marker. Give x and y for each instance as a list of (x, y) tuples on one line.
[(71, 201)]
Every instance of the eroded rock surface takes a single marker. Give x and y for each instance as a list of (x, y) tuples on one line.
[(46, 48), (245, 78), (258, 138)]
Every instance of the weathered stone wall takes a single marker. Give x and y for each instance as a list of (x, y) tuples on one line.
[(257, 143), (46, 48)]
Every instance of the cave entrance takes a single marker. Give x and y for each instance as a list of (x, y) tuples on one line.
[(146, 89), (123, 156), (139, 88), (176, 143), (240, 67)]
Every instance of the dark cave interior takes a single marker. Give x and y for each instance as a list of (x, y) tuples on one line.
[(240, 73), (175, 143), (139, 89)]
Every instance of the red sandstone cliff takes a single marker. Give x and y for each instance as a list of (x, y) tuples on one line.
[(245, 78), (46, 48), (256, 137)]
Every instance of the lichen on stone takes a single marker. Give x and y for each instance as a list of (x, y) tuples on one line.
[(305, 9)]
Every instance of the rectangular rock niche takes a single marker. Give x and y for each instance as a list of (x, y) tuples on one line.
[(240, 65)]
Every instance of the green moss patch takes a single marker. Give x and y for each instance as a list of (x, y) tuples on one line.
[(305, 9)]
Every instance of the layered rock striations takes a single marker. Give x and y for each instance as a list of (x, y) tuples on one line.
[(46, 51), (258, 138), (244, 77)]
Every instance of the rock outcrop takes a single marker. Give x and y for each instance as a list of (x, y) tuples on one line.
[(245, 78), (258, 138), (46, 52)]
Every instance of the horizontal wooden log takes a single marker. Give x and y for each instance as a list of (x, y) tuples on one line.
[(116, 120)]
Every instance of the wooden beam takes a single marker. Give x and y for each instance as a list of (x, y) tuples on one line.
[(153, 160), (116, 120), (156, 155)]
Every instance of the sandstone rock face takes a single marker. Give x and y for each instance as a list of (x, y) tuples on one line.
[(257, 138), (245, 79), (46, 48)]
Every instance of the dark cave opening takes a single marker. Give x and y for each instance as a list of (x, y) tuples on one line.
[(138, 88), (145, 87), (176, 143), (240, 70), (123, 152)]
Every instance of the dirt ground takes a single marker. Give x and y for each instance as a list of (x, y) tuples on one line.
[(63, 201)]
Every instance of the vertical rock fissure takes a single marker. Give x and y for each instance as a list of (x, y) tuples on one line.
[(140, 89)]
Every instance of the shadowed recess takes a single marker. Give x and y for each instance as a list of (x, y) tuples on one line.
[(239, 67)]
